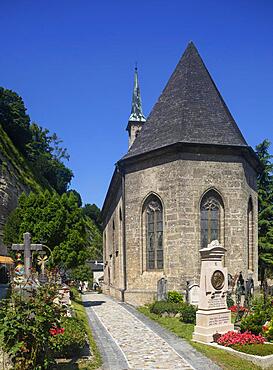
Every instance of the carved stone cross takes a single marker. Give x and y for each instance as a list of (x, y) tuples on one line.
[(27, 248)]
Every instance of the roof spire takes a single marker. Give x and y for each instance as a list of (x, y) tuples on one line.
[(189, 110), (136, 111)]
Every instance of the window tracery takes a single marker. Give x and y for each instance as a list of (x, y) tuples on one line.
[(154, 233), (210, 215)]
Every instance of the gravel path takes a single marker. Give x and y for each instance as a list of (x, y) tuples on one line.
[(129, 340)]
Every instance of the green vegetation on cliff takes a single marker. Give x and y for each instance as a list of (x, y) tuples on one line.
[(50, 212), (40, 149), (12, 156)]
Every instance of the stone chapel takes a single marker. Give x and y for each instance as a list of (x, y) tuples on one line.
[(188, 178)]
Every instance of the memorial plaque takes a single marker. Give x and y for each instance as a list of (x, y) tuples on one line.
[(218, 280)]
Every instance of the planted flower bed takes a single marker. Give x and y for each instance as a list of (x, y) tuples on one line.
[(232, 338), (249, 346)]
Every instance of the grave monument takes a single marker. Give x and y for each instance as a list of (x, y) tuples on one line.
[(213, 315), (162, 289), (193, 294)]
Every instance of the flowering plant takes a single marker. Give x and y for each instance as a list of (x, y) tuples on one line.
[(72, 338), (55, 331), (232, 337), (234, 308), (268, 330), (27, 324)]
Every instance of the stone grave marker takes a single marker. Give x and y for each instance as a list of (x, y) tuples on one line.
[(64, 292), (162, 289), (213, 315), (193, 294)]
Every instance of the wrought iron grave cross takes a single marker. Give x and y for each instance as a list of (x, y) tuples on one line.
[(27, 248)]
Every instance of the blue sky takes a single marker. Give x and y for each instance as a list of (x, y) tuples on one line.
[(73, 61)]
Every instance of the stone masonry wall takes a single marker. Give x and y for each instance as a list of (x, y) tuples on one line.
[(113, 253), (180, 185)]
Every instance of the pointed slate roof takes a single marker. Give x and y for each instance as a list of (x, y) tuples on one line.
[(189, 110)]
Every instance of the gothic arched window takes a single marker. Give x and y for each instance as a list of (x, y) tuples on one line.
[(211, 209), (153, 217)]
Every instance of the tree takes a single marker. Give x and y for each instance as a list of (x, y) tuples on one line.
[(54, 220), (77, 195), (265, 198), (81, 273), (46, 155), (93, 212), (14, 119), (41, 149), (58, 175), (94, 237)]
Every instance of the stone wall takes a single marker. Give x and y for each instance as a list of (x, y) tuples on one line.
[(113, 252), (180, 184), (179, 180)]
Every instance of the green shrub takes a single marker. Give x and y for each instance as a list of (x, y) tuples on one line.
[(258, 305), (253, 322), (159, 307), (71, 341), (175, 297), (260, 312), (188, 314), (25, 324)]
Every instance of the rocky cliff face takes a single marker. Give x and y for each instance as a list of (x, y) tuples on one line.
[(15, 178), (10, 189)]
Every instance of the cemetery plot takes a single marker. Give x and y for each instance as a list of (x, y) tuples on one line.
[(42, 324)]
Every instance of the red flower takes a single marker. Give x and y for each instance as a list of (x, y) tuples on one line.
[(235, 308), (231, 337), (55, 331)]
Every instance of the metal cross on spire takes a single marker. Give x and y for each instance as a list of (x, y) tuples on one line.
[(136, 112)]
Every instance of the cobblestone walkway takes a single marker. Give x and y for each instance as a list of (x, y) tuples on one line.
[(139, 346)]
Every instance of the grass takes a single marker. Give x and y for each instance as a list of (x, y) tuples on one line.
[(224, 359), (255, 349), (80, 313)]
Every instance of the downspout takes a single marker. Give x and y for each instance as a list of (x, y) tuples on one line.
[(123, 232)]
